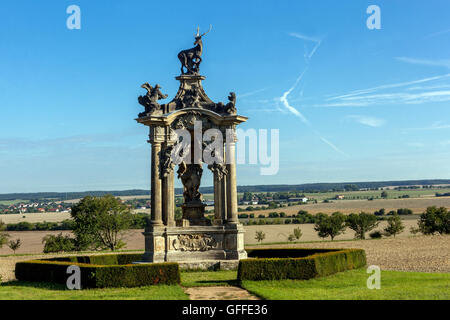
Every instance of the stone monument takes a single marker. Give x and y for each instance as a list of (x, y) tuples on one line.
[(193, 238)]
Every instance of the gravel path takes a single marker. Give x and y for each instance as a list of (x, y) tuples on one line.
[(219, 293)]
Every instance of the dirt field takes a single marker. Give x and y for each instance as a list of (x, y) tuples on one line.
[(32, 240), (419, 253), (417, 205)]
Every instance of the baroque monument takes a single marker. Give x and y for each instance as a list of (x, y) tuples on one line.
[(193, 238)]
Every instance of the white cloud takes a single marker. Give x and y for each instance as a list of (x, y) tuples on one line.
[(368, 121), (438, 63)]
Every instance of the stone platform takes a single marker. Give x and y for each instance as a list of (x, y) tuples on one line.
[(194, 244)]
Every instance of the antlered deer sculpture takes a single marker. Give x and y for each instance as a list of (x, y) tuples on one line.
[(191, 58)]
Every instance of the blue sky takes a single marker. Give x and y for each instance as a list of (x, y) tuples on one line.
[(370, 104)]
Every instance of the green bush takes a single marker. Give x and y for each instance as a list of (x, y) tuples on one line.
[(375, 235), (277, 264), (404, 211), (100, 271), (58, 243)]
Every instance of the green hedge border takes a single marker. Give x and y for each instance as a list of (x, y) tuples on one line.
[(300, 264), (102, 271)]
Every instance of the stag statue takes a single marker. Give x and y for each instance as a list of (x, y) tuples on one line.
[(191, 58)]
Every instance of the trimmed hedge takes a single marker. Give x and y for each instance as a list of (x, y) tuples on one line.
[(100, 271), (302, 264)]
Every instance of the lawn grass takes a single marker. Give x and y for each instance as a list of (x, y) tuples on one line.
[(209, 278), (18, 290), (351, 285)]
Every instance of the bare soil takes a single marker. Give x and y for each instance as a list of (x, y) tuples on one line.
[(419, 253)]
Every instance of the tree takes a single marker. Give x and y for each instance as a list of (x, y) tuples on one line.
[(14, 245), (3, 236), (99, 222), (361, 223), (297, 233), (260, 236), (395, 226), (384, 194), (330, 226), (435, 220), (247, 196)]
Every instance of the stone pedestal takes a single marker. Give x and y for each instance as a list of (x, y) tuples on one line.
[(194, 243), (195, 214)]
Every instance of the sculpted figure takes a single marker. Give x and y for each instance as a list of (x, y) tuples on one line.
[(191, 175), (230, 107), (191, 98), (191, 58), (150, 100)]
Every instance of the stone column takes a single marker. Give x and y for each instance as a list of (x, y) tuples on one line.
[(231, 183), (168, 194), (156, 201), (218, 216), (223, 209)]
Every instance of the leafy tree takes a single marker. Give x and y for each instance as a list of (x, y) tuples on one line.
[(247, 196), (297, 233), (58, 243), (395, 226), (361, 223), (435, 220), (330, 226), (3, 236), (100, 222), (384, 194), (14, 245), (260, 236)]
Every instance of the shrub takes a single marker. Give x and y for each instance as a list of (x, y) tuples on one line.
[(277, 264), (380, 212), (287, 221), (58, 243), (3, 236), (404, 211), (375, 235), (361, 223), (100, 275), (435, 220)]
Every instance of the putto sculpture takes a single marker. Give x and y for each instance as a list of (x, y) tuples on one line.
[(191, 58), (173, 133)]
